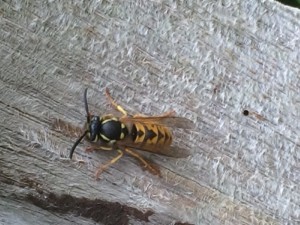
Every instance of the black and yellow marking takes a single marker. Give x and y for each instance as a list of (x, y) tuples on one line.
[(89, 137), (104, 120), (104, 137), (151, 134), (112, 129)]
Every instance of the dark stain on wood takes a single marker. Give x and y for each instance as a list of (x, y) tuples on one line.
[(109, 213), (179, 223)]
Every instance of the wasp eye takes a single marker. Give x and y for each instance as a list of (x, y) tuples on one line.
[(94, 128), (92, 137)]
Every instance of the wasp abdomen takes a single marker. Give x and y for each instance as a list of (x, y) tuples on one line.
[(151, 134)]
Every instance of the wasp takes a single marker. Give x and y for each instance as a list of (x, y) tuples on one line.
[(128, 133)]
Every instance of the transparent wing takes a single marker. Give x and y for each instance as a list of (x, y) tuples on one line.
[(176, 122), (171, 151)]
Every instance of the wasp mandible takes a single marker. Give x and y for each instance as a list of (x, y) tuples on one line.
[(132, 132)]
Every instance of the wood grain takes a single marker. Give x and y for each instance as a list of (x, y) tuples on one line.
[(209, 61)]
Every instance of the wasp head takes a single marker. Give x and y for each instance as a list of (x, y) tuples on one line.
[(94, 127)]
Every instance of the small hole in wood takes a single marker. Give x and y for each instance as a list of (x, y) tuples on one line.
[(246, 112)]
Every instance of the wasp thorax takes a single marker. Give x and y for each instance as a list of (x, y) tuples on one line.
[(112, 130)]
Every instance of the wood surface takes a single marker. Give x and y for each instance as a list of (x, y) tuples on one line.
[(232, 67)]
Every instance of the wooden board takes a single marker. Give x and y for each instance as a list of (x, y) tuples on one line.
[(231, 67)]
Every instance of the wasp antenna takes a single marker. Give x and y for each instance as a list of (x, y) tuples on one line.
[(86, 105), (76, 143)]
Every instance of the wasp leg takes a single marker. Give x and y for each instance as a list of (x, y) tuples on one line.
[(102, 148), (166, 114), (106, 165), (147, 165), (114, 104)]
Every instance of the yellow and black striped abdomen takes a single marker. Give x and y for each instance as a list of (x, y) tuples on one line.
[(151, 134)]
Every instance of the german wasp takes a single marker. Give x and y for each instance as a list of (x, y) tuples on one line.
[(128, 133)]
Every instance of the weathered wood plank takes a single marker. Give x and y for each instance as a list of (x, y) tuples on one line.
[(209, 61)]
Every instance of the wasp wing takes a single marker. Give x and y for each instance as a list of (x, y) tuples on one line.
[(171, 151), (171, 121)]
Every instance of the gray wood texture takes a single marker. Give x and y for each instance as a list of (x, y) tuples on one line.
[(207, 60)]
